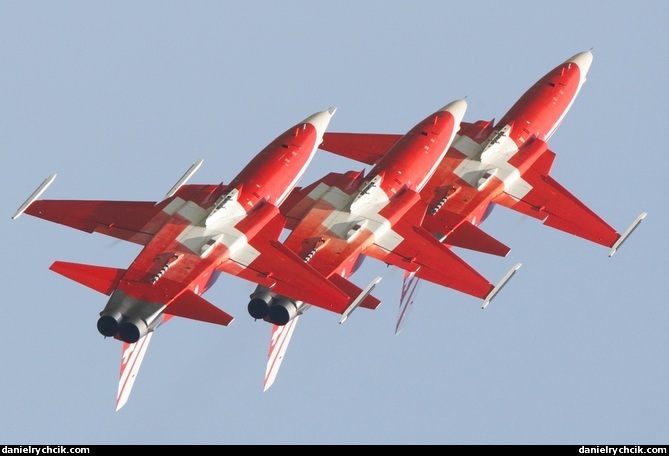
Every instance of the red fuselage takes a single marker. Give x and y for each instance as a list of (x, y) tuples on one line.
[(536, 115), (267, 178)]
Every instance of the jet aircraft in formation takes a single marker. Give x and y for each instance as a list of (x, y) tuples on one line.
[(428, 191)]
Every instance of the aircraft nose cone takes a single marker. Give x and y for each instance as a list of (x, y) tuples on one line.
[(583, 60), (321, 120), (457, 108)]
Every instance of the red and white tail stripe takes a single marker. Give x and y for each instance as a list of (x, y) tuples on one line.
[(409, 286), (277, 349), (133, 354)]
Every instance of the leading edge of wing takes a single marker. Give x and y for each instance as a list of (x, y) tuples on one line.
[(124, 220), (270, 263), (550, 202), (132, 221), (420, 252), (301, 200), (370, 147)]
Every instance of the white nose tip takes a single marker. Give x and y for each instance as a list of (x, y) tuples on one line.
[(583, 60), (457, 108), (321, 120)]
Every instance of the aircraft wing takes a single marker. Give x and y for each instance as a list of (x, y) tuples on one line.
[(133, 221), (436, 263), (266, 261), (363, 147), (370, 147), (99, 278), (124, 220), (302, 199), (416, 250), (459, 232), (540, 196)]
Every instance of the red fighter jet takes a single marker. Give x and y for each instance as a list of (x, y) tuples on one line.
[(505, 163), (192, 235), (341, 217)]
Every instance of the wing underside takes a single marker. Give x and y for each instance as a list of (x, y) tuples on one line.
[(455, 231), (420, 252), (550, 202), (132, 221), (125, 220), (301, 200), (278, 268)]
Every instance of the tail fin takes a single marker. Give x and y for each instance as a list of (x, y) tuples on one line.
[(131, 360), (409, 286), (277, 349)]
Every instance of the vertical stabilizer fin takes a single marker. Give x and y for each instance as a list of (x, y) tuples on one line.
[(409, 286), (131, 360), (277, 349)]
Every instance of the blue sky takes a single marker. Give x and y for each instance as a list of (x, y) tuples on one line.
[(120, 98)]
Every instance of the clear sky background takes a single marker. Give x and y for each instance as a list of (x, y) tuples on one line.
[(120, 98)]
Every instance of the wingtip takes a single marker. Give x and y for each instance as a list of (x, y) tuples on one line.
[(623, 237), (187, 175), (36, 194), (500, 285)]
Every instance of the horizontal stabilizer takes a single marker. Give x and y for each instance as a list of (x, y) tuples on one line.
[(195, 307), (100, 278), (363, 147)]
